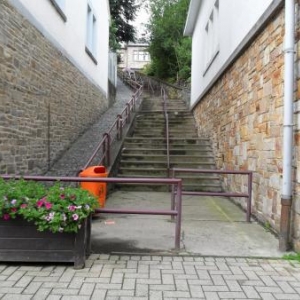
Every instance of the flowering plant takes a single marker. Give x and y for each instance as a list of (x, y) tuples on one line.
[(57, 209)]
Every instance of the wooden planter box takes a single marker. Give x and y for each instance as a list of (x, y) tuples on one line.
[(21, 242)]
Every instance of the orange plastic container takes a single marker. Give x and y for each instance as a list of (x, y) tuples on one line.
[(98, 189)]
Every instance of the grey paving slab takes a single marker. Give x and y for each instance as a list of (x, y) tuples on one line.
[(283, 280)]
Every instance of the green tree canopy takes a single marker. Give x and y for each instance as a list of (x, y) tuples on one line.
[(122, 13), (170, 51)]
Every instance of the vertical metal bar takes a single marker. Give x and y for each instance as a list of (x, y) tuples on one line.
[(119, 127), (178, 219), (108, 149), (172, 195), (249, 200), (127, 112), (134, 100), (104, 151)]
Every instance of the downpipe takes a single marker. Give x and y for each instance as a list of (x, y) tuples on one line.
[(286, 196)]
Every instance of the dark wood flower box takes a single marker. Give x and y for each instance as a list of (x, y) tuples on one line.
[(21, 242)]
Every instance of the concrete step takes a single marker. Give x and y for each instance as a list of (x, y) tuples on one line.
[(172, 131), (188, 135), (161, 116), (163, 151), (199, 159), (163, 146), (143, 172), (173, 141), (163, 164)]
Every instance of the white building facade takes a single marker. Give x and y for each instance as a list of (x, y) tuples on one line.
[(134, 56), (218, 28)]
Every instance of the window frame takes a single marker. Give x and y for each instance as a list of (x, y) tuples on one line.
[(91, 33), (211, 37), (59, 6)]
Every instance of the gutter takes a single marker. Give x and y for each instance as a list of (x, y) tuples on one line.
[(286, 197)]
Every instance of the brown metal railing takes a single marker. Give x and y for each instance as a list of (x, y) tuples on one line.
[(173, 212), (116, 130), (247, 195), (167, 135)]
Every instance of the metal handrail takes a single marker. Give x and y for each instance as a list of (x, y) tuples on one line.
[(247, 195), (116, 130), (165, 109), (174, 182)]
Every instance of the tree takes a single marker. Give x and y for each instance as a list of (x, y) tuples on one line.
[(123, 12), (170, 51)]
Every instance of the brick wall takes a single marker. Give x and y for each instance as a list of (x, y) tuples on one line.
[(45, 101), (243, 116)]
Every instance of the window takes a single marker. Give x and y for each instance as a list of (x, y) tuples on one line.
[(91, 34), (212, 37), (140, 55), (59, 5)]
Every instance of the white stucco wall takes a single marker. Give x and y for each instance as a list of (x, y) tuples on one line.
[(70, 36), (236, 19)]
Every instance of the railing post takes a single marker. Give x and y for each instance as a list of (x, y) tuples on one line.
[(103, 161), (173, 192), (178, 219), (120, 127), (128, 113), (250, 177), (106, 149), (133, 104)]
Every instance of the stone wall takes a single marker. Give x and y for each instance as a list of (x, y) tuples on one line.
[(45, 101), (243, 115)]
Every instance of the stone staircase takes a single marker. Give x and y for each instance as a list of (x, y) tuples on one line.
[(144, 153)]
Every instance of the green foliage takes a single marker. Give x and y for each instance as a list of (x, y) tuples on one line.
[(122, 13), (57, 209), (295, 256), (113, 43), (170, 51)]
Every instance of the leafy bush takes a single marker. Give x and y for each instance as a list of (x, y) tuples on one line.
[(57, 209)]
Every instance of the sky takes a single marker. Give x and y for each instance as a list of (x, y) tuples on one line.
[(142, 18)]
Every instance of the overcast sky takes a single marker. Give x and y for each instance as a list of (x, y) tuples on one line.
[(142, 17)]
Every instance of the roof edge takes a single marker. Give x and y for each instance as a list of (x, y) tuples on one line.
[(192, 17)]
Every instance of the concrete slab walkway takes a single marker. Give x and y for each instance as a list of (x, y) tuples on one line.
[(211, 226)]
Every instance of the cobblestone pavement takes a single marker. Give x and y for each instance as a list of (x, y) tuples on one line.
[(80, 151), (115, 277)]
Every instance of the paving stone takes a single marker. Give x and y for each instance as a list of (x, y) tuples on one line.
[(42, 294), (68, 283), (16, 297)]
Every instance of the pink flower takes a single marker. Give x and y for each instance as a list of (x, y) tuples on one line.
[(62, 196), (6, 217), (72, 207), (48, 205), (13, 202), (75, 217), (13, 209), (23, 205), (41, 202)]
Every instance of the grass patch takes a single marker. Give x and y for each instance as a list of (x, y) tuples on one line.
[(294, 256)]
